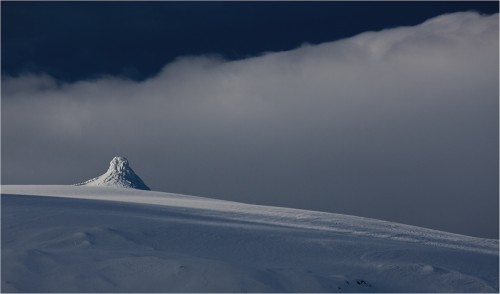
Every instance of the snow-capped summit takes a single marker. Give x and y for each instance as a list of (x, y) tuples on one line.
[(119, 174)]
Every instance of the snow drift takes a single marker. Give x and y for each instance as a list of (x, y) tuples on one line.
[(108, 239)]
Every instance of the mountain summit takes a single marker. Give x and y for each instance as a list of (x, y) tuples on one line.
[(119, 174)]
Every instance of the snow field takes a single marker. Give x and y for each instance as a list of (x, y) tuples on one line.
[(95, 239)]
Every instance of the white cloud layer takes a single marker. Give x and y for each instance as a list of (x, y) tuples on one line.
[(400, 124)]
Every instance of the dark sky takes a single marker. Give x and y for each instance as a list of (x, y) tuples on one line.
[(73, 41), (386, 110)]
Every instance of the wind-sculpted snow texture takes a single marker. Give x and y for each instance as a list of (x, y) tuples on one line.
[(105, 239), (119, 174)]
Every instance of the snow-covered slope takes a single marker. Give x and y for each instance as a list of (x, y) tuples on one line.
[(84, 238), (119, 175)]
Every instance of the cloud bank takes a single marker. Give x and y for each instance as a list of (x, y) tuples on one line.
[(400, 124)]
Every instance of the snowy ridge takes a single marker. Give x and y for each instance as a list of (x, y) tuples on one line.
[(178, 243), (289, 217), (119, 174)]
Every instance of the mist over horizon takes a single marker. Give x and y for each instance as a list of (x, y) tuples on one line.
[(399, 124)]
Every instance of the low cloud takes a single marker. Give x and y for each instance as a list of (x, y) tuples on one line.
[(400, 124)]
